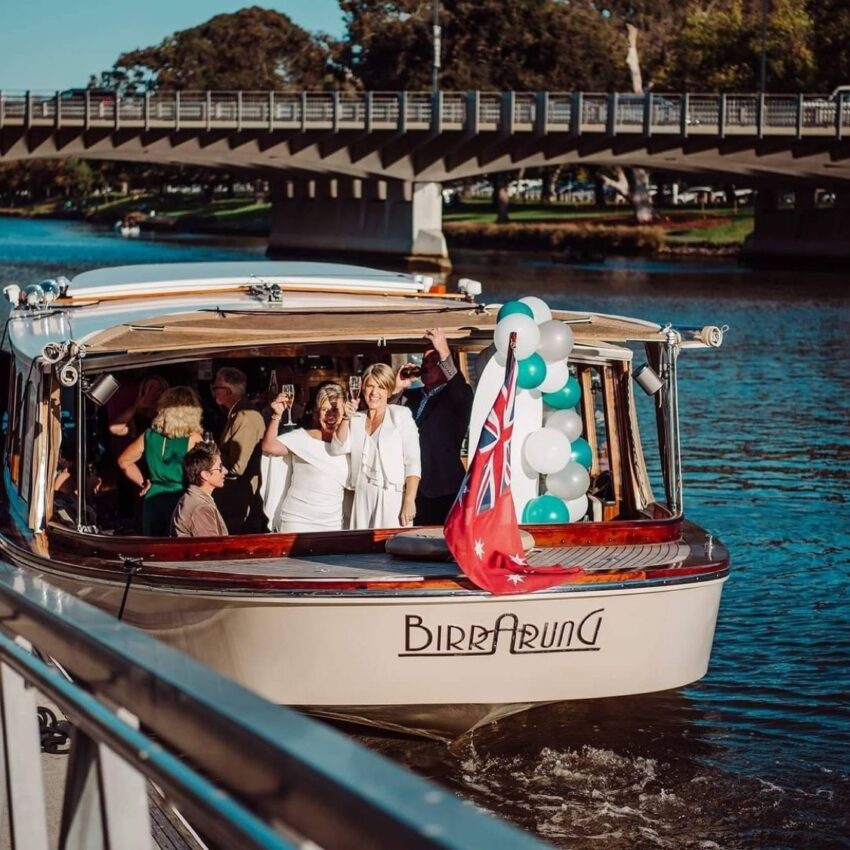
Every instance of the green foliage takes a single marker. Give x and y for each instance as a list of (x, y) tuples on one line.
[(529, 45), (719, 47), (253, 50)]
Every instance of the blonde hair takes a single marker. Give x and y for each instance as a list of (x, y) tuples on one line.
[(382, 375), (178, 413), (327, 392)]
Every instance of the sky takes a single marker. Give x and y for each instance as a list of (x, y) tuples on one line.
[(57, 44)]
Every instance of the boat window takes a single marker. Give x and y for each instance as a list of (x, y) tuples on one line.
[(13, 455), (27, 437)]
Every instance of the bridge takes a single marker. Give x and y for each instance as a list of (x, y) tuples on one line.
[(364, 169)]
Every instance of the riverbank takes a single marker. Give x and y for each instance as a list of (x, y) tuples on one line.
[(563, 230)]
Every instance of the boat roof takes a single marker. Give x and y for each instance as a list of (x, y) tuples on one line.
[(140, 312)]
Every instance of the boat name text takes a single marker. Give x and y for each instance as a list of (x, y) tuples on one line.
[(508, 633)]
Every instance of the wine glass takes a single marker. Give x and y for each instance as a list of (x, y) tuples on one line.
[(354, 385), (289, 391)]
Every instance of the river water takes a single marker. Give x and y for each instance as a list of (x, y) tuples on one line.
[(757, 754)]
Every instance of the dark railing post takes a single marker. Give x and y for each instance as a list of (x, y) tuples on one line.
[(401, 126), (839, 116), (760, 115), (576, 108), (506, 112), (57, 118), (87, 110), (473, 112), (116, 105), (369, 113), (611, 117), (721, 115), (799, 116), (541, 113), (647, 114), (147, 110), (303, 111), (239, 111), (208, 107), (436, 112), (271, 111), (683, 117)]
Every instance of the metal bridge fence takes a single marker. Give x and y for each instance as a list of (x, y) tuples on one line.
[(244, 772), (511, 112)]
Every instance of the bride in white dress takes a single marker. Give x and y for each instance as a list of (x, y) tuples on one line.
[(303, 483)]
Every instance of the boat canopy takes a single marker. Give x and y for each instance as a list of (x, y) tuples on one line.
[(154, 311)]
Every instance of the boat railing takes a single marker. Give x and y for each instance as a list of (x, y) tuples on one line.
[(243, 772)]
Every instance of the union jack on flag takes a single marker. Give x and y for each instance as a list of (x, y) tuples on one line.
[(494, 444), (481, 529)]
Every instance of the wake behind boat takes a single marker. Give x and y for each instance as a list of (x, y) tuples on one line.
[(377, 624)]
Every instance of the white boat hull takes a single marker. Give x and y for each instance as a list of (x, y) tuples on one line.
[(447, 650)]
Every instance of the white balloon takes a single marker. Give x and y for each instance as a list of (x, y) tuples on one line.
[(527, 335), (557, 375), (569, 482), (567, 421), (577, 507), (539, 307), (546, 450), (556, 341)]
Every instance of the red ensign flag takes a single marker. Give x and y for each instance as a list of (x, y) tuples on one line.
[(481, 529)]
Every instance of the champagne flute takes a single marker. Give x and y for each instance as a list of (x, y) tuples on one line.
[(354, 386), (289, 391)]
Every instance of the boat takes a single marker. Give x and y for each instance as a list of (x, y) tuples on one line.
[(334, 622), (127, 229)]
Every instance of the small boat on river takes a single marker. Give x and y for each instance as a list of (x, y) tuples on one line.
[(334, 622)]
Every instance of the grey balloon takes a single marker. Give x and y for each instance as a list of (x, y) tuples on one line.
[(556, 340), (570, 482)]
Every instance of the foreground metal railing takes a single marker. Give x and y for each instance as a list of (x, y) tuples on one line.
[(514, 112), (244, 772)]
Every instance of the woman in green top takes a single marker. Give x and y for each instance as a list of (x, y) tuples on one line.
[(176, 428)]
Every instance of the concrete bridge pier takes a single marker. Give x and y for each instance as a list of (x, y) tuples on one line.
[(346, 216), (792, 225)]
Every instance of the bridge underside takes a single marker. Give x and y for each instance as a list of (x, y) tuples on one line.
[(425, 156), (378, 192)]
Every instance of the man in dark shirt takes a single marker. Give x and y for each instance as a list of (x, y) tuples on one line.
[(441, 408), (196, 514)]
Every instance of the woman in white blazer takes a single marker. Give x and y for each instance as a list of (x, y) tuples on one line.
[(383, 442)]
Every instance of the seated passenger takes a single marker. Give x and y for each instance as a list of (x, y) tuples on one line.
[(305, 490), (176, 428), (196, 514)]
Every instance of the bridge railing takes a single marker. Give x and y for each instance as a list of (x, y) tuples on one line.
[(541, 112), (244, 772)]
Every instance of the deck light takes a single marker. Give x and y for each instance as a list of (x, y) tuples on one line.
[(647, 379), (101, 389), (34, 295)]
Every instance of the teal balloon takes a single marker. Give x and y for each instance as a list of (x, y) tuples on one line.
[(531, 372), (580, 452), (511, 307), (568, 396), (544, 509)]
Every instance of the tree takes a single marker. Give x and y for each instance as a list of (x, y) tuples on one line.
[(254, 50), (831, 42), (719, 48), (524, 45)]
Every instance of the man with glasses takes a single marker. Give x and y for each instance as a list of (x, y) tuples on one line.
[(196, 514), (239, 500)]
